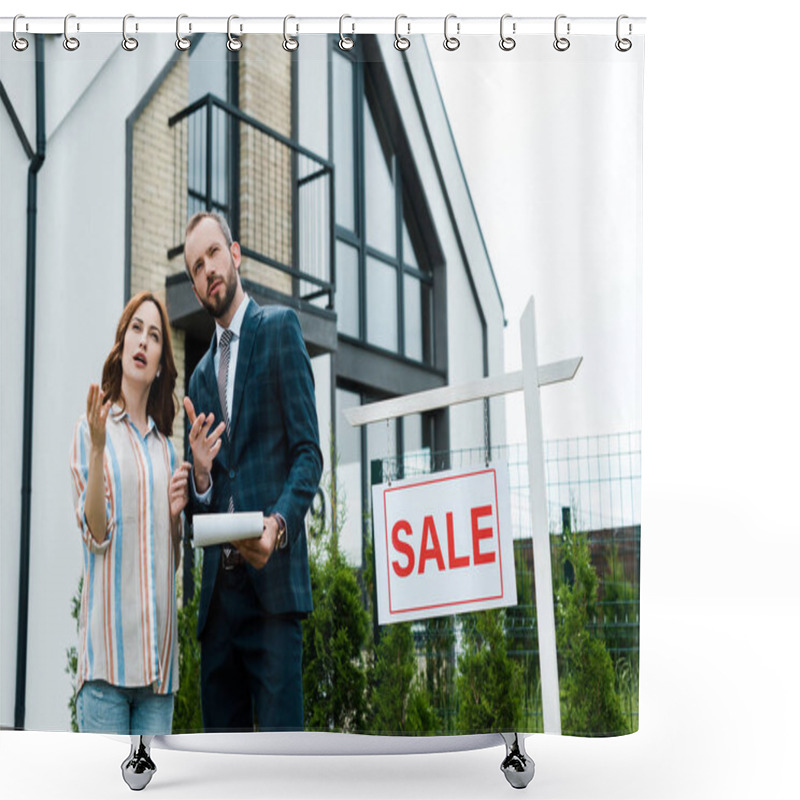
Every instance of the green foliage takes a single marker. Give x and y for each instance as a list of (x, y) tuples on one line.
[(72, 658), (522, 642), (591, 704), (398, 702), (489, 682), (334, 635), (188, 716), (440, 670)]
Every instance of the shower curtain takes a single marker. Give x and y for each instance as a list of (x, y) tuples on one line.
[(407, 204)]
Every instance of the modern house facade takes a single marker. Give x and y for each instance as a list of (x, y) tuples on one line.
[(340, 177)]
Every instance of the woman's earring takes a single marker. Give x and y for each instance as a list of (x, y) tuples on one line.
[(158, 374)]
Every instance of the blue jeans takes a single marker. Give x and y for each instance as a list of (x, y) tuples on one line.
[(103, 708)]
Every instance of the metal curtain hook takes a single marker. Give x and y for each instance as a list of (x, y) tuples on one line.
[(18, 43), (289, 42), (234, 42), (401, 42), (507, 42), (451, 43), (70, 42), (561, 43), (346, 42), (623, 45), (181, 42), (128, 42)]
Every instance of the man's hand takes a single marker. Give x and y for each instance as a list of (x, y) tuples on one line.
[(257, 552), (204, 442)]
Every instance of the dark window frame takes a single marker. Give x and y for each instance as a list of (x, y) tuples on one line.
[(365, 91)]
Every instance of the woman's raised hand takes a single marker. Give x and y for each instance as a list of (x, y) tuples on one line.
[(179, 489), (96, 416)]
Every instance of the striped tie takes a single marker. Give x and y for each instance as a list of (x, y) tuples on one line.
[(222, 375), (222, 385)]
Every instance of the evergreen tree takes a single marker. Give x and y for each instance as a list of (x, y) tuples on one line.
[(521, 638), (489, 683), (188, 714), (336, 634), (440, 672), (591, 705), (398, 701)]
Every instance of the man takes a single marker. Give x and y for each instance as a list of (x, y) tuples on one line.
[(256, 377)]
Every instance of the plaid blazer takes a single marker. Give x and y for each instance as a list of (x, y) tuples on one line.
[(270, 459)]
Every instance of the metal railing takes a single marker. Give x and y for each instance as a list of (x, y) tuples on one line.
[(277, 196)]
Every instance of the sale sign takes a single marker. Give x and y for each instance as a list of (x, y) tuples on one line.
[(443, 544)]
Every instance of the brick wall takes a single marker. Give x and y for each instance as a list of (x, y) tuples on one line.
[(265, 92)]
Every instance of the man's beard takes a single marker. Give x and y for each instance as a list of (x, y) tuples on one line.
[(219, 305)]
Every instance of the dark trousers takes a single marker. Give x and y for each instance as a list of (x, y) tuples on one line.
[(251, 663)]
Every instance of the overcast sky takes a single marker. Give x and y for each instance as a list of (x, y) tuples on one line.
[(550, 144)]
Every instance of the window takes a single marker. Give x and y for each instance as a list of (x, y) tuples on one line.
[(384, 292)]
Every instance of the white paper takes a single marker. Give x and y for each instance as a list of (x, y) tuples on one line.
[(218, 528)]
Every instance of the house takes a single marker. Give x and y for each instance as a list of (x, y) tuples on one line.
[(339, 174)]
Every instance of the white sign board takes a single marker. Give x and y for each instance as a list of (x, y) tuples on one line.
[(443, 544)]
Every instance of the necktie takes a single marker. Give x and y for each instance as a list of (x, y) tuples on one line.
[(222, 375), (222, 385)]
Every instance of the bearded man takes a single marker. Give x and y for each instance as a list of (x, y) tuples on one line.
[(263, 455)]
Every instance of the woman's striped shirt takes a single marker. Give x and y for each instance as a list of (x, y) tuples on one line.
[(128, 621)]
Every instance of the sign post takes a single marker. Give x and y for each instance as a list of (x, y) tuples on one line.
[(529, 380)]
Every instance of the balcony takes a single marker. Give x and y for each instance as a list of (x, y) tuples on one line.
[(278, 198)]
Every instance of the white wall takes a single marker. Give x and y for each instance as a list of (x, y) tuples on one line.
[(79, 296), (17, 76)]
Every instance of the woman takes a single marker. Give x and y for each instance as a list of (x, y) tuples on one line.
[(129, 496)]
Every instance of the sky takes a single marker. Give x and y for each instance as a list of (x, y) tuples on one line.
[(551, 149)]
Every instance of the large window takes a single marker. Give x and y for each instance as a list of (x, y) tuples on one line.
[(384, 287)]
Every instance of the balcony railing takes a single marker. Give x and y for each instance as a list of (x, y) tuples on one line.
[(276, 195)]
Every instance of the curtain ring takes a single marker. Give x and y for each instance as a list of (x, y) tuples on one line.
[(128, 42), (401, 42), (506, 42), (18, 43), (234, 43), (70, 42), (561, 43), (451, 43), (181, 42), (623, 45), (290, 43), (345, 42)]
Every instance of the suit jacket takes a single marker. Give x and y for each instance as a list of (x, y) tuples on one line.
[(270, 459)]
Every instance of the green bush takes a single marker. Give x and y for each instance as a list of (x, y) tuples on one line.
[(590, 702), (188, 715), (398, 702), (72, 658), (489, 682), (336, 633)]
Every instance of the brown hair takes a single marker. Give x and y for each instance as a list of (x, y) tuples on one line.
[(195, 220), (161, 402)]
